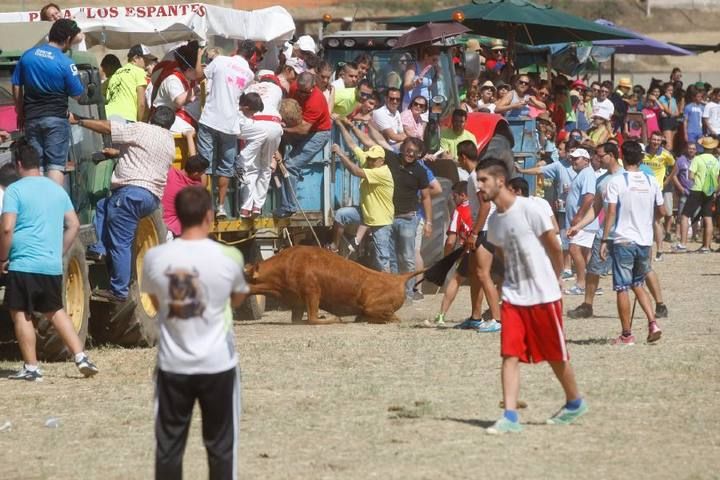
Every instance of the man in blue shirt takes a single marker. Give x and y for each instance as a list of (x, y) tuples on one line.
[(42, 81), (38, 225)]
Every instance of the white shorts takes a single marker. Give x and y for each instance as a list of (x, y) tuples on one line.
[(583, 238)]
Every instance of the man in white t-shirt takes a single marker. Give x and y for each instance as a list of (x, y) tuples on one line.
[(349, 76), (711, 114), (481, 252), (602, 106), (194, 282), (532, 331), (262, 134), (219, 123), (633, 198), (387, 119), (521, 188)]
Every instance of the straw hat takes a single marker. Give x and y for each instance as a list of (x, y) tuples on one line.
[(709, 143), (472, 45), (488, 84), (625, 83), (497, 45)]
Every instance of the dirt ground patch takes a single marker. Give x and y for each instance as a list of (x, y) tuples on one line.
[(357, 401)]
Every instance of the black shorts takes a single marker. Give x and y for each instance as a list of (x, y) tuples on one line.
[(698, 200), (33, 292), (668, 124), (462, 268)]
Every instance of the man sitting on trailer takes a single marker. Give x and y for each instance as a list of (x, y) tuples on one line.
[(146, 152)]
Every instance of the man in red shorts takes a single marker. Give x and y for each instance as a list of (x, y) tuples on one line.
[(531, 314)]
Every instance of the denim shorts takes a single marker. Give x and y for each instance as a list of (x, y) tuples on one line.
[(631, 264), (50, 137), (349, 216), (596, 265), (219, 149)]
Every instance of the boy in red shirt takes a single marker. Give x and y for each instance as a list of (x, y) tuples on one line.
[(195, 167), (459, 230)]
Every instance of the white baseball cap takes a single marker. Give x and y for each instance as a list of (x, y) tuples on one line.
[(306, 44), (580, 153), (296, 64)]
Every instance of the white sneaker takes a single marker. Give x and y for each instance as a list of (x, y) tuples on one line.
[(220, 212)]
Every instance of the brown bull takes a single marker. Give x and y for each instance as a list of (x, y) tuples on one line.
[(312, 278)]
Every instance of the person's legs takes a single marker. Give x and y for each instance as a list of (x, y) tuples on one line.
[(219, 399), (174, 401), (344, 216), (100, 221), (566, 376), (476, 290), (510, 382), (451, 290), (405, 248), (419, 263), (488, 286), (707, 231), (264, 162), (127, 206), (381, 245), (682, 230), (249, 161), (56, 133), (577, 254), (659, 234), (226, 154), (296, 161), (25, 335)]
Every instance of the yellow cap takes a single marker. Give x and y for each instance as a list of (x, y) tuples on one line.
[(376, 151)]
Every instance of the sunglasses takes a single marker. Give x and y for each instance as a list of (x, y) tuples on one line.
[(421, 105), (523, 82), (365, 95), (393, 99)]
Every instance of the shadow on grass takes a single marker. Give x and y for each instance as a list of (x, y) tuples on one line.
[(589, 341), (473, 422)]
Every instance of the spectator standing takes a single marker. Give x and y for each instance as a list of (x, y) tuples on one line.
[(196, 354), (288, 73), (387, 119), (220, 124), (618, 98), (711, 114), (659, 159), (516, 102), (651, 110), (322, 79), (39, 225), (262, 135), (487, 97), (347, 99), (43, 79), (668, 115), (125, 96), (693, 117), (420, 77), (308, 139), (532, 303), (348, 78), (50, 13), (630, 245), (683, 184), (146, 152), (108, 66), (602, 106), (190, 175), (601, 131), (579, 201), (412, 118), (174, 87), (704, 172)]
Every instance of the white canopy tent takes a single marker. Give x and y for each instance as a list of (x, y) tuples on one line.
[(119, 28)]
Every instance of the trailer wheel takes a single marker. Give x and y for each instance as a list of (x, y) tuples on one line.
[(133, 323), (76, 292)]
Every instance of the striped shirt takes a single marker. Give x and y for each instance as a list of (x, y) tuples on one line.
[(146, 153)]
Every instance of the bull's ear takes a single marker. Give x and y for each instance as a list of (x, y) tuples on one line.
[(251, 271)]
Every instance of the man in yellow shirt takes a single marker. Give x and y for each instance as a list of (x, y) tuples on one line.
[(659, 160), (125, 95), (348, 99), (376, 200), (451, 137)]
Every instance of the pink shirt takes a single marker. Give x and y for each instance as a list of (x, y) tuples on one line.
[(414, 128), (176, 181), (651, 120)]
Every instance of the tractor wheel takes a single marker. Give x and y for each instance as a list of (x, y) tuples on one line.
[(76, 290), (253, 307), (132, 324)]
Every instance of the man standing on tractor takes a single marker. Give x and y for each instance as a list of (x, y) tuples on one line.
[(42, 81), (39, 224), (146, 152)]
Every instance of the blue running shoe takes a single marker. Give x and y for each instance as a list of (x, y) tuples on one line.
[(489, 326), (565, 416), (469, 324), (504, 426)]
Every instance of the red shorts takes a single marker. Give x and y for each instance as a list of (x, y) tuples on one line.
[(533, 333)]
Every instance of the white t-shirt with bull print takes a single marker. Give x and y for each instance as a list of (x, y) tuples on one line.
[(193, 281)]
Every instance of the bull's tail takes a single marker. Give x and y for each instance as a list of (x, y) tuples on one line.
[(410, 275)]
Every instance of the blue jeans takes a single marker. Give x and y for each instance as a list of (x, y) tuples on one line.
[(299, 157), (219, 149), (116, 220), (50, 137), (596, 265), (402, 247), (630, 265), (381, 246)]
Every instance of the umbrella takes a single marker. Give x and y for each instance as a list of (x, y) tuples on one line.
[(437, 273), (641, 45), (521, 21), (430, 32)]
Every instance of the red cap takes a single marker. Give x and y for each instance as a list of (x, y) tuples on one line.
[(578, 84)]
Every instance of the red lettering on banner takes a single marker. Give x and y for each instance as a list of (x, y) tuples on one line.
[(67, 14), (202, 11), (141, 13), (34, 16), (114, 12), (161, 11), (151, 10), (129, 11), (89, 13), (172, 10)]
